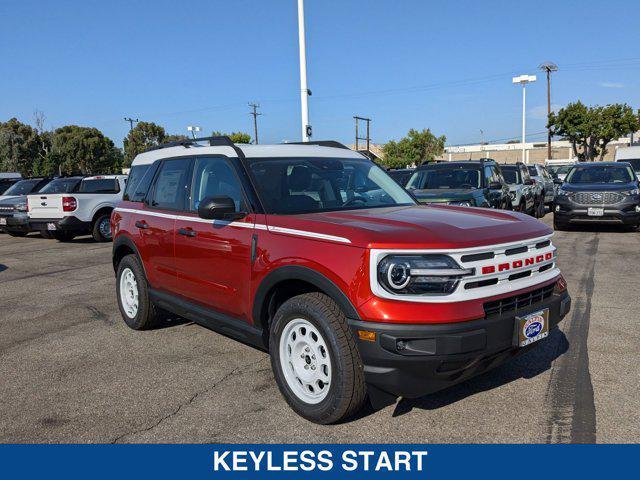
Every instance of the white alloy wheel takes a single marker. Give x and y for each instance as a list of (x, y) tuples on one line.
[(129, 293), (305, 361)]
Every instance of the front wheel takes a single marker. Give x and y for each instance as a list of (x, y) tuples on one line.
[(101, 230), (315, 360), (560, 226)]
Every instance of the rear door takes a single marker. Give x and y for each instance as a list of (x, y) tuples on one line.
[(154, 224), (213, 258)]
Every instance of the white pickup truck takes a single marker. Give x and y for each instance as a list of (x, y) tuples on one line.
[(87, 209)]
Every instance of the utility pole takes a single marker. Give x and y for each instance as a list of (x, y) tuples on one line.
[(523, 80), (481, 143), (548, 67), (358, 137), (255, 114), (304, 89), (131, 122)]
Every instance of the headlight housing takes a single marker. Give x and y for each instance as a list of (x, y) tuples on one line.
[(464, 203), (21, 207), (420, 274), (562, 193), (635, 191)]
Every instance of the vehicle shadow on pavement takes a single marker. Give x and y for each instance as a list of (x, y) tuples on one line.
[(525, 366), (600, 228), (3, 267)]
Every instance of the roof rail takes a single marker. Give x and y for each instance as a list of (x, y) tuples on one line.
[(219, 141), (322, 143)]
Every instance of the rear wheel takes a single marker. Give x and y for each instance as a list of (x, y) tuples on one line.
[(17, 234), (315, 360), (63, 236), (133, 295), (101, 230), (540, 209)]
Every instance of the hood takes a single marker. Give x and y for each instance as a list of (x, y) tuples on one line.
[(5, 198), (443, 195), (419, 226), (599, 187)]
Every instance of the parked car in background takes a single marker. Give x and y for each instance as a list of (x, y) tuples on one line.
[(598, 192), (545, 186), (8, 179), (85, 210), (469, 184), (13, 205), (401, 175), (521, 188), (559, 168), (631, 155)]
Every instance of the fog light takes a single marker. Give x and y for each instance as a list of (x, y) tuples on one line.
[(401, 345), (637, 208), (561, 285), (558, 208), (367, 335)]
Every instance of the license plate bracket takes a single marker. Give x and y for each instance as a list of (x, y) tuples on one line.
[(51, 226), (3, 221), (532, 327), (595, 212)]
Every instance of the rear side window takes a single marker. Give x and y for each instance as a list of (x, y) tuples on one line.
[(102, 185), (170, 188), (61, 185)]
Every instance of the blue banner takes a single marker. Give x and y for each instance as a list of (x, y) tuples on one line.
[(513, 462)]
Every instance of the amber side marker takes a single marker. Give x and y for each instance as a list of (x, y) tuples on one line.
[(367, 336)]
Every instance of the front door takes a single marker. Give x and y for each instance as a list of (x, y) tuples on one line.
[(213, 258)]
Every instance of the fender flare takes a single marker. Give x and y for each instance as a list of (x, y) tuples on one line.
[(123, 240), (306, 274)]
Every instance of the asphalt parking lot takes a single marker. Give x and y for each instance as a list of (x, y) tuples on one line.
[(71, 371)]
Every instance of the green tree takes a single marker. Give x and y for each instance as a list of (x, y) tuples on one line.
[(590, 129), (140, 138), (236, 137), (416, 148), (83, 150), (20, 147), (175, 138)]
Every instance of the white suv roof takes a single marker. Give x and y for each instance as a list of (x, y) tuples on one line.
[(105, 177), (255, 151)]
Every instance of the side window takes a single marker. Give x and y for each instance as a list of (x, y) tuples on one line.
[(139, 181), (170, 188), (215, 176), (497, 174), (488, 174), (525, 173)]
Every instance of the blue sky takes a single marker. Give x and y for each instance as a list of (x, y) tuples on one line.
[(444, 65)]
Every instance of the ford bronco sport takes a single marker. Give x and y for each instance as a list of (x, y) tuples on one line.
[(314, 254)]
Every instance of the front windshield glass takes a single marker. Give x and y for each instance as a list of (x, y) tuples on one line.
[(61, 185), (601, 174), (445, 178), (23, 187), (556, 170), (510, 175), (307, 185)]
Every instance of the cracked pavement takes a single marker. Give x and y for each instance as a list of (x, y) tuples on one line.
[(71, 371)]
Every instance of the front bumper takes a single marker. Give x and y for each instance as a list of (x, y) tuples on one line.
[(624, 212), (68, 224), (432, 357), (14, 222)]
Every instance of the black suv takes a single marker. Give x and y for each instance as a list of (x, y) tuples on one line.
[(602, 192), (468, 184), (13, 209)]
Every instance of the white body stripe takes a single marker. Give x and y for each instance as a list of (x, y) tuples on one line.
[(257, 226)]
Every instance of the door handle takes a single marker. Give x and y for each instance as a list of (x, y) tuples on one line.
[(142, 224), (187, 232)]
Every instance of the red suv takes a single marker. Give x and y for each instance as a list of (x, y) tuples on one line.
[(313, 253)]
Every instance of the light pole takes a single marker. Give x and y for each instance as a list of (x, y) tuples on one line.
[(523, 80), (548, 67), (193, 130), (304, 90)]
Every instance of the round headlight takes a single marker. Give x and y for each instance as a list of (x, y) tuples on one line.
[(398, 275)]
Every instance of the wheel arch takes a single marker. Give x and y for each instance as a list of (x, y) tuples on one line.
[(123, 246), (289, 281), (101, 211)]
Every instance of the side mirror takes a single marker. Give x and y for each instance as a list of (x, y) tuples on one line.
[(557, 181), (495, 186), (528, 182), (218, 208)]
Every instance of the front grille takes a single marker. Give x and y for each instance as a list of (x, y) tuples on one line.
[(597, 198), (518, 302)]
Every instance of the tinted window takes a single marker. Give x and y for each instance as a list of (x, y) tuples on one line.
[(23, 187), (635, 163), (5, 184), (601, 174), (533, 172), (61, 185), (445, 178), (170, 187), (215, 177), (103, 185), (138, 182), (510, 174), (297, 185)]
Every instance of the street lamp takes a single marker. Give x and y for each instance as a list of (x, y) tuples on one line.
[(304, 89), (193, 130), (548, 67), (523, 80)]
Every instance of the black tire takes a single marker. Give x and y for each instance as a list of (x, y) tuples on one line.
[(347, 389), (46, 234), (63, 236), (540, 209), (17, 234), (147, 315), (101, 230), (560, 226)]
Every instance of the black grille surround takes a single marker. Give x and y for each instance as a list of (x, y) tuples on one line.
[(518, 302), (597, 198)]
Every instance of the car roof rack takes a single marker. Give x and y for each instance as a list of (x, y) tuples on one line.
[(217, 141), (322, 143)]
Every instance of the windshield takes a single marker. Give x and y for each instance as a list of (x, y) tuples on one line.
[(306, 185), (533, 171), (23, 187), (61, 185), (601, 174), (556, 170), (445, 178), (510, 175)]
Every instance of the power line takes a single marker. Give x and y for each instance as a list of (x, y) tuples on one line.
[(255, 114), (131, 122)]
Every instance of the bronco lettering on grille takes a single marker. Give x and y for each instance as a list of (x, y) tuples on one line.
[(503, 267)]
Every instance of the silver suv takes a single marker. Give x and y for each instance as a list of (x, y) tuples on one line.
[(544, 181), (521, 188)]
